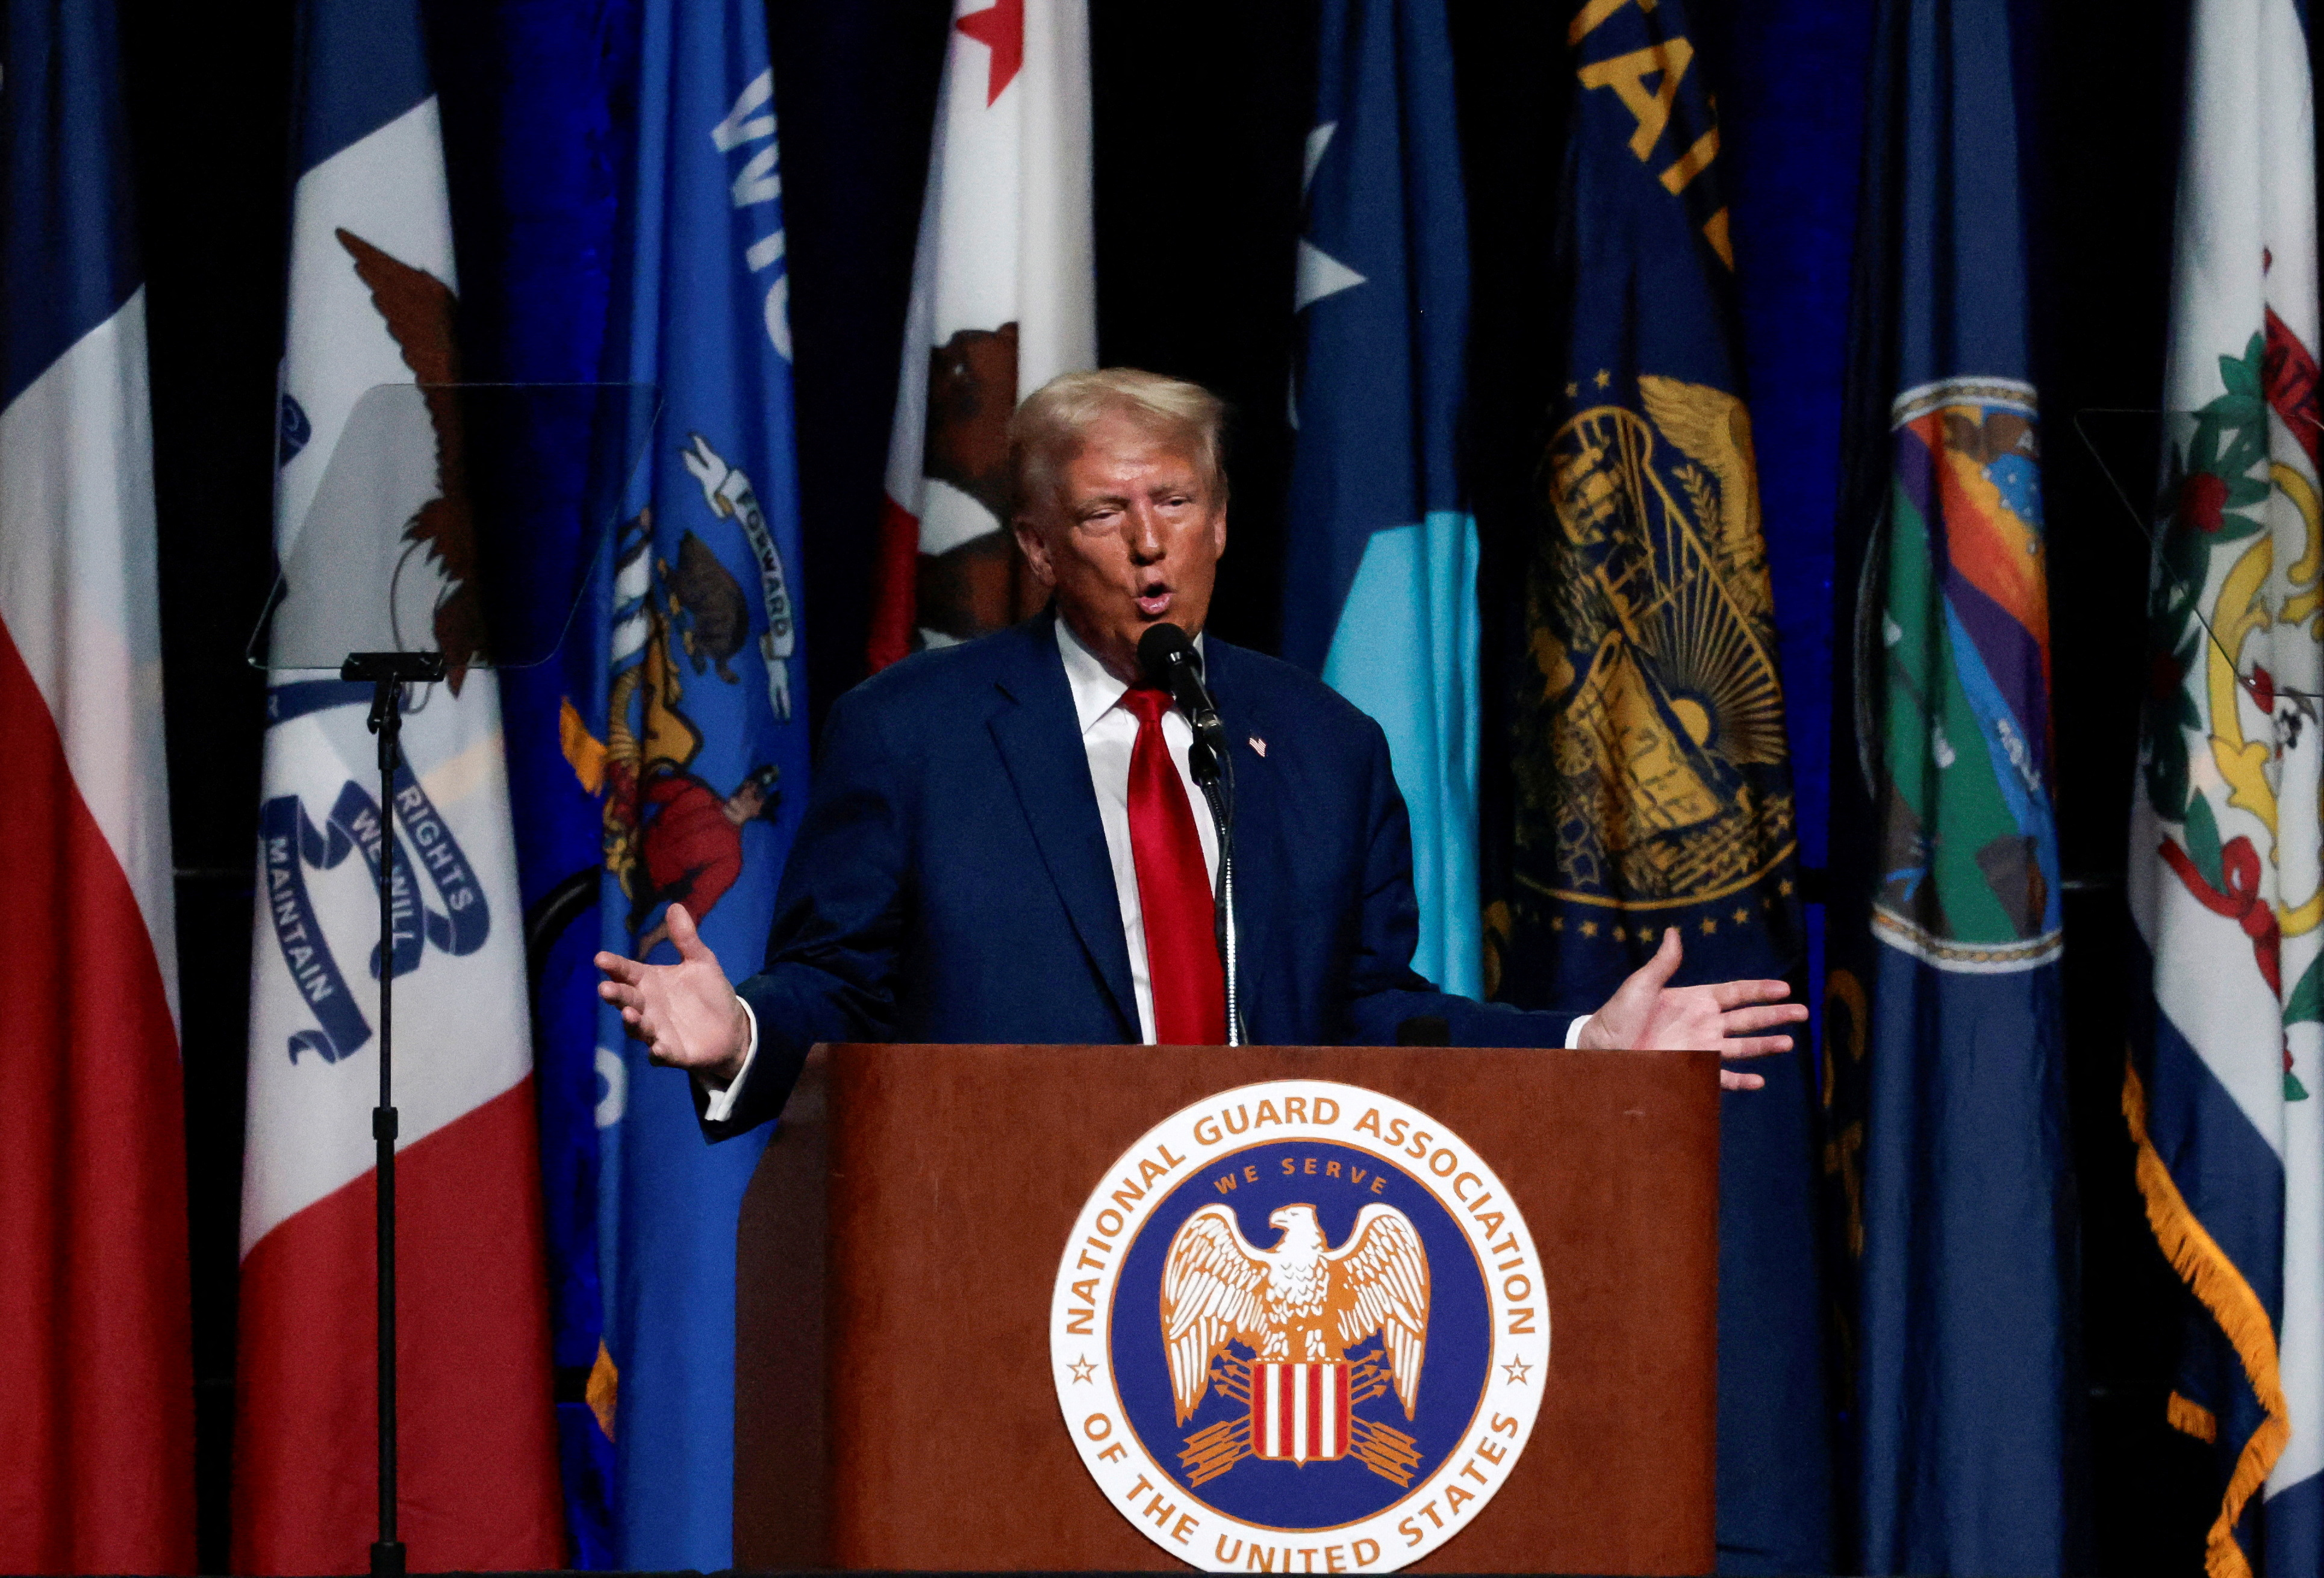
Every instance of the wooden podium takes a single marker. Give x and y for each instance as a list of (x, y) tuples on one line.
[(900, 1244)]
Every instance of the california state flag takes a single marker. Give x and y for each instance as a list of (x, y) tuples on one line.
[(2225, 1093), (1004, 298), (372, 302)]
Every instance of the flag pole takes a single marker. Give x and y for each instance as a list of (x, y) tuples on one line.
[(388, 673)]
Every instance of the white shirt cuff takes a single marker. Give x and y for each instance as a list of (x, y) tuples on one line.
[(721, 1102), (1572, 1033)]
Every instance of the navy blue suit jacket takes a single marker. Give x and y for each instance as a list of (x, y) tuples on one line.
[(950, 881)]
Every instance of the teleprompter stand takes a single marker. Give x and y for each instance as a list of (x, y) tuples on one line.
[(503, 498), (387, 673)]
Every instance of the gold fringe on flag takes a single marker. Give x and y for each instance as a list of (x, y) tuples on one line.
[(2189, 1417), (2214, 1280)]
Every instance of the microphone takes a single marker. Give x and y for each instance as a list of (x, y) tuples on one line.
[(1167, 657), (1169, 662)]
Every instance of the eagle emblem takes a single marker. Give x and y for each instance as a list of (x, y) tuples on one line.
[(1299, 1307), (418, 309), (1180, 1348)]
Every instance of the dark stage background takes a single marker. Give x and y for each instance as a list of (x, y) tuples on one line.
[(1201, 109)]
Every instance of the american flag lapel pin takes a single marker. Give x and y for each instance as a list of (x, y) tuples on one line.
[(1258, 744)]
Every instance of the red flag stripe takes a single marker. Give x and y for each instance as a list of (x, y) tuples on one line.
[(96, 1410), (1340, 1410), (478, 1446), (895, 586), (1260, 1412)]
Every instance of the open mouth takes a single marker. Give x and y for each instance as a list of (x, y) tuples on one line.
[(1154, 600)]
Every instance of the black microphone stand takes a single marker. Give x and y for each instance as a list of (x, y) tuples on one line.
[(1206, 757), (1167, 656), (387, 673)]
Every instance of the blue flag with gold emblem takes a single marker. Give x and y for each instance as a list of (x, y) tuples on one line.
[(697, 743), (1381, 573), (1946, 1131), (1650, 781)]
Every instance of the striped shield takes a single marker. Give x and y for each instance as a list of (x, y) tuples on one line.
[(1299, 1411)]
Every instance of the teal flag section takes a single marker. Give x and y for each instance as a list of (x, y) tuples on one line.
[(1381, 551), (1405, 651)]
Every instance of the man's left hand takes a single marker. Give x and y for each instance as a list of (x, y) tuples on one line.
[(1648, 1014)]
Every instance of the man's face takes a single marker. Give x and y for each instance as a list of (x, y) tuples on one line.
[(1132, 538)]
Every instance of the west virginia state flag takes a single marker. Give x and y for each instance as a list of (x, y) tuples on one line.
[(2225, 1093), (1650, 776)]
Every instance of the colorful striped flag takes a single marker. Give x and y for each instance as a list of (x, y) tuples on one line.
[(1004, 298), (2225, 1091), (96, 1404), (1945, 1083), (371, 302)]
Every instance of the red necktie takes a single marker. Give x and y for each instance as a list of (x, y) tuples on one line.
[(1174, 888)]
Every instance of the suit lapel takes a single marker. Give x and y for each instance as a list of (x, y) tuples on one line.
[(1041, 747), (1257, 815)]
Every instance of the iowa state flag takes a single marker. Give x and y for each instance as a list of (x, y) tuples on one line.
[(371, 302), (1649, 770), (96, 1408), (1004, 298), (1382, 565), (1946, 1141), (2225, 1091)]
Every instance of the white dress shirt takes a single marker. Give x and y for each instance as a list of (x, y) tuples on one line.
[(1108, 735)]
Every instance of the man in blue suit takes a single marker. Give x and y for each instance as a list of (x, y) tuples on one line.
[(979, 861)]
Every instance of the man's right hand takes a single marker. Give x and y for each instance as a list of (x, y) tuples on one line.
[(686, 1013), (1647, 1014)]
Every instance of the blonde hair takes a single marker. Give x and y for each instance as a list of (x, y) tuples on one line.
[(1047, 429)]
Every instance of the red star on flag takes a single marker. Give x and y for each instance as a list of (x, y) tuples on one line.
[(1001, 28)]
